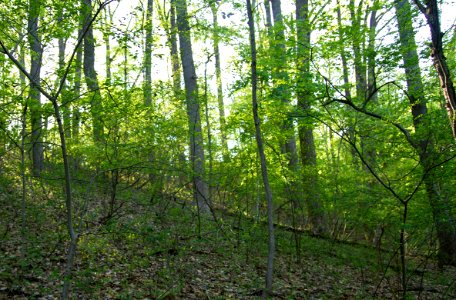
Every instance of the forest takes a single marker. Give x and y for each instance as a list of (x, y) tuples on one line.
[(227, 149)]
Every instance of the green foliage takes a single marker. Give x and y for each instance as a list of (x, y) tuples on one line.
[(132, 193)]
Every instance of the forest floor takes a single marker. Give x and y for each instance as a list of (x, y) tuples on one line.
[(152, 251)]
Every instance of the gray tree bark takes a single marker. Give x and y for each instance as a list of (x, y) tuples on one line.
[(36, 55), (200, 187), (96, 107), (430, 10), (440, 206)]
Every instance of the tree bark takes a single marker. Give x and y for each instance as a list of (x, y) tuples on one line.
[(107, 32), (200, 187), (424, 144), (306, 138), (34, 105), (96, 107), (77, 91), (175, 65), (264, 170), (431, 11), (371, 54), (65, 105), (358, 42), (218, 78), (148, 55)]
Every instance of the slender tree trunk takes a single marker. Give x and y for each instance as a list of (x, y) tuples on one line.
[(361, 71), (281, 91), (175, 65), (201, 192), (65, 106), (36, 56), (267, 8), (155, 178), (371, 54), (343, 56), (264, 169), (306, 138), (107, 41), (208, 128), (77, 92), (23, 157), (218, 78), (148, 55), (440, 206), (347, 91), (364, 65), (431, 11), (96, 107)]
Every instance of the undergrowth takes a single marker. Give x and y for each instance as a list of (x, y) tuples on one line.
[(157, 251)]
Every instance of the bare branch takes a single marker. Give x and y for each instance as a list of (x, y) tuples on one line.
[(348, 102)]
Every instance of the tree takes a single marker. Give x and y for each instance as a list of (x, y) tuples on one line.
[(96, 107), (430, 10), (306, 138), (218, 76), (200, 187), (264, 170), (424, 141), (148, 55), (36, 56)]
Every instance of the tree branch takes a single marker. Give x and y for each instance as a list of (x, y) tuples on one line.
[(348, 102), (420, 6)]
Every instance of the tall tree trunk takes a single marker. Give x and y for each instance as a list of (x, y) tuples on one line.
[(107, 32), (96, 107), (306, 138), (430, 10), (440, 206), (364, 65), (175, 65), (218, 78), (155, 178), (281, 92), (371, 54), (200, 188), (77, 88), (343, 56), (209, 134), (65, 104), (361, 71), (281, 88), (347, 91), (36, 56), (264, 169), (148, 55), (267, 8), (358, 45)]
